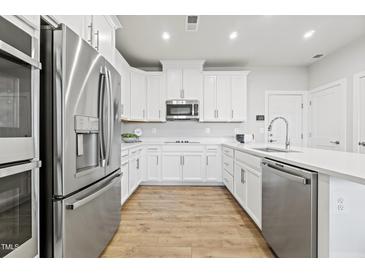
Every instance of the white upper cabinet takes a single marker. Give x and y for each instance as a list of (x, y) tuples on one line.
[(123, 68), (98, 30), (192, 84), (239, 98), (174, 83), (103, 39), (225, 96), (183, 79), (155, 97), (138, 95)]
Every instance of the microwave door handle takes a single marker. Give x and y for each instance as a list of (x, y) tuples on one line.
[(10, 50), (101, 118), (12, 170)]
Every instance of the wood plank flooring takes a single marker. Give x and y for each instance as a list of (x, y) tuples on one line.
[(184, 222)]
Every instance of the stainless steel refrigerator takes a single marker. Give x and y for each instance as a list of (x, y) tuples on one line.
[(80, 146)]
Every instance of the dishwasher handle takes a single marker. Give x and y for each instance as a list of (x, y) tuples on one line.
[(284, 174)]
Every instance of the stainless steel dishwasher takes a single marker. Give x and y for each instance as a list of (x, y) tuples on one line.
[(289, 209)]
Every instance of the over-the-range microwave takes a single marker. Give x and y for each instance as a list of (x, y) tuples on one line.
[(182, 110)]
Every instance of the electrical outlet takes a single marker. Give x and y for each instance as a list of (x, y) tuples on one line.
[(340, 205)]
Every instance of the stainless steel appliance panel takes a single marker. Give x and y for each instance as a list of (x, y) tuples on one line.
[(289, 210), (79, 76), (91, 218), (19, 210), (182, 110), (19, 72), (113, 84)]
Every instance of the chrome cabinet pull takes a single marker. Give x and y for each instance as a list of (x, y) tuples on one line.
[(157, 160), (232, 113), (207, 161), (335, 142), (243, 176), (97, 40), (362, 143), (90, 40), (159, 114)]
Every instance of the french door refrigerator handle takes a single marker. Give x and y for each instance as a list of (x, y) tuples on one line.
[(15, 169), (8, 49), (101, 118), (110, 115), (94, 195)]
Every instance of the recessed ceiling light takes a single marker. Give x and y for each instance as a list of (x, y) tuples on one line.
[(308, 34), (165, 35), (233, 35)]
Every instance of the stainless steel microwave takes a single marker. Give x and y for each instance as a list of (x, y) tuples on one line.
[(182, 110)]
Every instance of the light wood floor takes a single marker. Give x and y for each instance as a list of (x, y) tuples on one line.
[(176, 222)]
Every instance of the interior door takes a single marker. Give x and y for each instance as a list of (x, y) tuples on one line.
[(327, 117), (210, 97), (223, 98), (289, 106)]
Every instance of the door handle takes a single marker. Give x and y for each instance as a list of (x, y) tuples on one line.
[(91, 33), (93, 196), (101, 118), (362, 143), (97, 40), (335, 142), (15, 169), (110, 115)]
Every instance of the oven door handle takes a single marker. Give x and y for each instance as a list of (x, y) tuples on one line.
[(11, 170), (8, 49)]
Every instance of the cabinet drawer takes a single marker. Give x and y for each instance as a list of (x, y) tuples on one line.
[(153, 148), (124, 155), (212, 149), (228, 180), (135, 152), (228, 151), (183, 148), (228, 164), (249, 160)]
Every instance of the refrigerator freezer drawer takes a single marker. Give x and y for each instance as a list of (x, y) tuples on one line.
[(91, 219)]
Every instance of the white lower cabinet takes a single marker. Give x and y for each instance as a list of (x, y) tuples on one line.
[(153, 164), (213, 162), (171, 167), (246, 186), (254, 199), (193, 168), (240, 185), (124, 182)]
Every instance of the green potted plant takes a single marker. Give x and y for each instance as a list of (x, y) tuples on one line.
[(129, 137)]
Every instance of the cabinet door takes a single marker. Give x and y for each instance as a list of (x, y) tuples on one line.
[(154, 98), (193, 167), (240, 185), (174, 83), (223, 98), (132, 184), (78, 23), (103, 37), (171, 167), (254, 190), (210, 98), (124, 182), (124, 88), (153, 172), (138, 96), (139, 170), (192, 84), (213, 167), (239, 98)]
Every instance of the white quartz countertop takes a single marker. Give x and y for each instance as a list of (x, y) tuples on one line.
[(346, 165)]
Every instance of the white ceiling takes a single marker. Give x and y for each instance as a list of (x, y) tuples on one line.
[(262, 40)]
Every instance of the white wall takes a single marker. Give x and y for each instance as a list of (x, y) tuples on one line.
[(259, 80), (343, 63)]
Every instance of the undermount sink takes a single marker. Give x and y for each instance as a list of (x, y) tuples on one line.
[(270, 149)]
